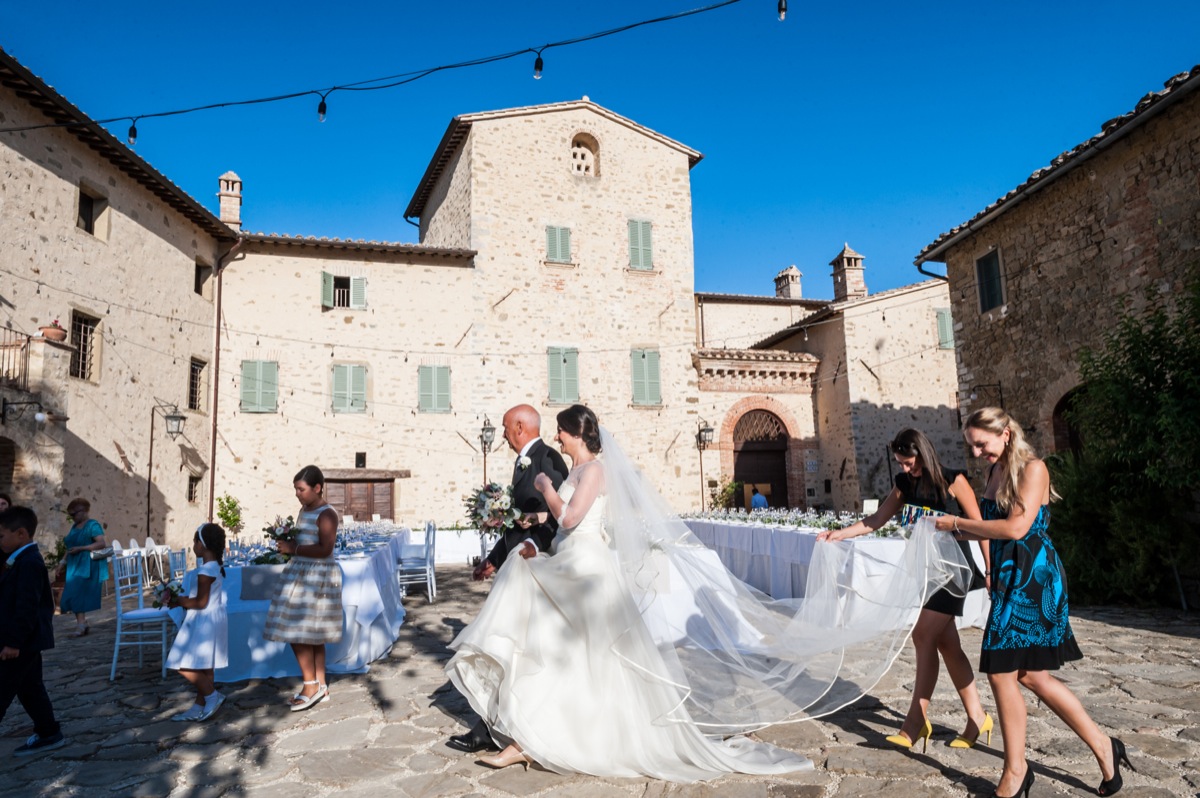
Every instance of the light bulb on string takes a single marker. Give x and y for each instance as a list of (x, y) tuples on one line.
[(322, 109), (782, 10), (537, 66), (132, 136)]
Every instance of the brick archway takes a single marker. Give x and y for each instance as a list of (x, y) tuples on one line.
[(793, 456)]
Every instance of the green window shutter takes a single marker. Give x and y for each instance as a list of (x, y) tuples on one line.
[(358, 292), (268, 386), (249, 386), (441, 386), (945, 328), (640, 252), (358, 389), (326, 290), (558, 244), (554, 374), (637, 369), (341, 388), (564, 244), (425, 389), (570, 375), (653, 383)]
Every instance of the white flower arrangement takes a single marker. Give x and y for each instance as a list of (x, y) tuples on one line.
[(524, 462)]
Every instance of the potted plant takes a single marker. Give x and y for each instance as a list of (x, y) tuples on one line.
[(54, 563), (54, 332)]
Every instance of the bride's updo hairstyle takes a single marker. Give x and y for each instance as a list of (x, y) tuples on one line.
[(581, 422)]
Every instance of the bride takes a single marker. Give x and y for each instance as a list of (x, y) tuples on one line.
[(560, 661), (632, 651)]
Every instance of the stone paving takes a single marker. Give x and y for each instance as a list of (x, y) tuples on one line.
[(383, 732)]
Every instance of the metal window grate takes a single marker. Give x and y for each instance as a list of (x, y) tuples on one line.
[(193, 490), (196, 385), (83, 338)]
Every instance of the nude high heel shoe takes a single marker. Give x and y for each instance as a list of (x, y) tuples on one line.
[(509, 756)]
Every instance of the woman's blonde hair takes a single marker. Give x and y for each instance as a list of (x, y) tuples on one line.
[(1017, 454)]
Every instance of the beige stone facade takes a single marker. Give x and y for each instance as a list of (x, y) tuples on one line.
[(1080, 240)]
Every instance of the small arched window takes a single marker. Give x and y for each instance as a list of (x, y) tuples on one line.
[(585, 156)]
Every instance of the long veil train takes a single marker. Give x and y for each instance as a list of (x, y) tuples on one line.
[(741, 660)]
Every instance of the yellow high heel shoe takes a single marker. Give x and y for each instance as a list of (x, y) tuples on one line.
[(904, 742), (984, 728), (509, 756)]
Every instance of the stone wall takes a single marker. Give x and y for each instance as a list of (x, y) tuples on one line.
[(1073, 255), (135, 275), (733, 324)]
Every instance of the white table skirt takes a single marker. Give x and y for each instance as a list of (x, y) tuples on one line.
[(775, 559), (372, 614)]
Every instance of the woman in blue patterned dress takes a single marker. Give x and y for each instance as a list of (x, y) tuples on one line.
[(1028, 630)]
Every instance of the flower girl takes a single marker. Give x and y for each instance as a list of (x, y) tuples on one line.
[(202, 644)]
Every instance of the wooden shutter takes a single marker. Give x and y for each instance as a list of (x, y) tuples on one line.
[(425, 398), (570, 375), (945, 328), (441, 388), (341, 388), (558, 244), (653, 383), (358, 292), (637, 369), (260, 386), (326, 290), (250, 386), (640, 252), (554, 374), (358, 389)]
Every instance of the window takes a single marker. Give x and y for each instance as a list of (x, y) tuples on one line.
[(343, 292), (349, 388), (558, 244), (647, 387), (640, 256), (991, 285), (585, 156), (203, 286), (563, 372), (945, 328), (260, 386), (196, 388), (193, 493), (84, 339), (433, 389), (93, 213)]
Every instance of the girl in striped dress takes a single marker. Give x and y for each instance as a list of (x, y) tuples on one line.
[(307, 608)]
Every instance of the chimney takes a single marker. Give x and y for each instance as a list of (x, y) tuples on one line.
[(848, 282), (231, 200), (787, 283)]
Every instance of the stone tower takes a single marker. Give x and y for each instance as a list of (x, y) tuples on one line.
[(848, 282), (231, 200), (787, 283)]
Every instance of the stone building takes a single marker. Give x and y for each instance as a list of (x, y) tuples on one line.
[(1046, 269)]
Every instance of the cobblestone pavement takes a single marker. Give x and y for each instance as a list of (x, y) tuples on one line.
[(383, 732)]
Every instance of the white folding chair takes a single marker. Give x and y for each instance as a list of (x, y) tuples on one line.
[(347, 519), (178, 563), (376, 518), (138, 626), (418, 569), (155, 555)]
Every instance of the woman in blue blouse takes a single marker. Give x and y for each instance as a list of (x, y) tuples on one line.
[(81, 593)]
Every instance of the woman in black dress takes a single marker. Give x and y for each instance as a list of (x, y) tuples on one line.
[(922, 485), (1028, 630)]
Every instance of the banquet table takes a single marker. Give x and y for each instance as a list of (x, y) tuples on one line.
[(774, 559), (372, 614)]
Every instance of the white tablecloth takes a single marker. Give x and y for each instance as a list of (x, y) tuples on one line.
[(371, 616), (775, 559)]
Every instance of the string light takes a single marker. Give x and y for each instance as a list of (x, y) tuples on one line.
[(322, 108), (132, 136), (537, 66), (782, 10)]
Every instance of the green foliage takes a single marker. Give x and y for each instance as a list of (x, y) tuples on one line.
[(59, 554), (1128, 518), (229, 513), (728, 494)]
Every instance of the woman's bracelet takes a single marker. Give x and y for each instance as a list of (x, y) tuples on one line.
[(957, 531)]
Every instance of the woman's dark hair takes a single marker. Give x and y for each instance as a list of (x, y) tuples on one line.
[(913, 443), (6, 499), (310, 475), (214, 540), (79, 502), (580, 421)]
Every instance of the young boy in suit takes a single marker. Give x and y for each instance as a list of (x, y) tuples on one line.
[(26, 629)]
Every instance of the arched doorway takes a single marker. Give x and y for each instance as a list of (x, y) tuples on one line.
[(1067, 437), (760, 445)]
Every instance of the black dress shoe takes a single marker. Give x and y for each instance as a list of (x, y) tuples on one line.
[(470, 744)]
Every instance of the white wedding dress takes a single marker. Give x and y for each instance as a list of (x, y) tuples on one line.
[(561, 661)]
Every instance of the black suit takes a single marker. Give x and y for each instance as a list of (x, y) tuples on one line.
[(543, 460), (27, 624)]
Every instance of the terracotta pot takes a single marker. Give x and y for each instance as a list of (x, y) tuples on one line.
[(52, 333)]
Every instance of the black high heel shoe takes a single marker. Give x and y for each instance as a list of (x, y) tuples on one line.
[(1113, 785), (1023, 790)]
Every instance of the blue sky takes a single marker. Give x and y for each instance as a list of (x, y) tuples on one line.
[(878, 124)]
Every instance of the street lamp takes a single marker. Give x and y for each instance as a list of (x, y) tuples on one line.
[(487, 436), (989, 390), (704, 438), (7, 411), (174, 421)]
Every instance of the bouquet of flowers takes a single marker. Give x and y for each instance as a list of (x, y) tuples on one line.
[(163, 592), (281, 529), (491, 508), (270, 558)]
